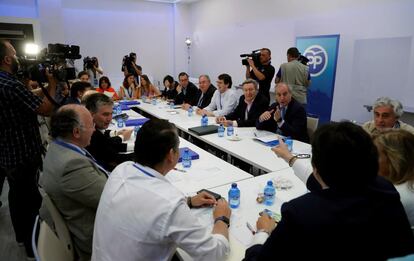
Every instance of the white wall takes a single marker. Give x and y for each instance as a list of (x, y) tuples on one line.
[(224, 29)]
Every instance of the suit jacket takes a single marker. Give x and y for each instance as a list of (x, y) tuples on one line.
[(328, 224), (190, 96), (75, 184), (259, 106), (295, 124), (105, 149), (207, 96)]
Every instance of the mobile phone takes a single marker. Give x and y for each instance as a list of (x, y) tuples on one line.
[(271, 214), (215, 195)]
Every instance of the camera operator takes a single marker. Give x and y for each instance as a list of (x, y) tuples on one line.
[(262, 73), (20, 143), (129, 66), (94, 70), (296, 74)]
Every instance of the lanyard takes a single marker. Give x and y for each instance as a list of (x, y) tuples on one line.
[(143, 171), (221, 106), (129, 90), (82, 152)]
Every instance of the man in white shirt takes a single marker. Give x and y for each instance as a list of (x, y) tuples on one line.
[(141, 216), (224, 100)]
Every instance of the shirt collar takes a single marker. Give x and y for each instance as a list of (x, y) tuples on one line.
[(151, 171)]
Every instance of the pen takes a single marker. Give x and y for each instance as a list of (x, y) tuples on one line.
[(250, 228), (180, 170)]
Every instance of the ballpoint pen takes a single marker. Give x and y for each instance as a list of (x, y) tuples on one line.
[(250, 228), (180, 170)]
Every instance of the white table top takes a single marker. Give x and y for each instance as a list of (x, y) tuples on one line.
[(240, 236), (246, 149)]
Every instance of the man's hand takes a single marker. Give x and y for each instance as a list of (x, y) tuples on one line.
[(220, 120), (251, 63), (203, 199), (179, 89), (222, 209), (266, 223), (266, 115), (126, 133), (185, 106), (201, 111), (282, 151)]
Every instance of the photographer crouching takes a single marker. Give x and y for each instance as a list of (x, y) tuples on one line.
[(129, 66), (91, 65), (20, 143), (258, 67)]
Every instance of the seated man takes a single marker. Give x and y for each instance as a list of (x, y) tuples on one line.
[(251, 105), (224, 100), (387, 113), (187, 92), (142, 216), (205, 94), (349, 207), (106, 145), (72, 179), (76, 92), (286, 116)]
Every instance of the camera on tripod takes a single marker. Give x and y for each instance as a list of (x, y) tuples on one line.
[(128, 60), (255, 56), (89, 63), (55, 59)]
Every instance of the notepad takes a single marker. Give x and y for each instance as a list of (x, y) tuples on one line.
[(136, 122), (204, 130), (126, 102), (194, 155), (270, 141)]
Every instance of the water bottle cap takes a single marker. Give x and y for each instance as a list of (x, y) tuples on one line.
[(186, 150), (234, 185), (270, 183)]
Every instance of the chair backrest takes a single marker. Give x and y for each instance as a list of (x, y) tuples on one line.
[(62, 231), (46, 244), (312, 123)]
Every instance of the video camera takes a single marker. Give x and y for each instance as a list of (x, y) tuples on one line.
[(53, 58), (127, 60), (255, 56), (89, 63), (303, 60)]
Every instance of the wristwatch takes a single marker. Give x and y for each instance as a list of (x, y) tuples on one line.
[(224, 219)]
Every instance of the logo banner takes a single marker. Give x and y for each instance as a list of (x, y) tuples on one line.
[(322, 52)]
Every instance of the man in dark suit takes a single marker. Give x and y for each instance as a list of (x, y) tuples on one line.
[(286, 116), (206, 91), (71, 178), (106, 145), (350, 213), (187, 91), (251, 105)]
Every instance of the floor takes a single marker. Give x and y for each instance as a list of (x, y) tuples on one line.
[(9, 250)]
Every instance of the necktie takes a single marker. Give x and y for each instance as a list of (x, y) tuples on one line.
[(282, 112), (201, 100)]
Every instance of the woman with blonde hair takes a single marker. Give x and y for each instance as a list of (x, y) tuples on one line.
[(396, 163), (147, 88)]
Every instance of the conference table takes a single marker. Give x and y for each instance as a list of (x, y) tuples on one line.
[(248, 212), (243, 145), (215, 174)]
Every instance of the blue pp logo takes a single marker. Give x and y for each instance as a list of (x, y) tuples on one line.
[(318, 59)]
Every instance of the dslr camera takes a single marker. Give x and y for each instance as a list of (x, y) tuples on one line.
[(56, 58), (255, 56), (88, 63)]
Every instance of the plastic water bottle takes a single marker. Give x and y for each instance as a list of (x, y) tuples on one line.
[(204, 120), (234, 196), (269, 193), (118, 109), (230, 130), (136, 129), (171, 105), (221, 131), (190, 111), (186, 159), (144, 98), (154, 101), (120, 122)]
